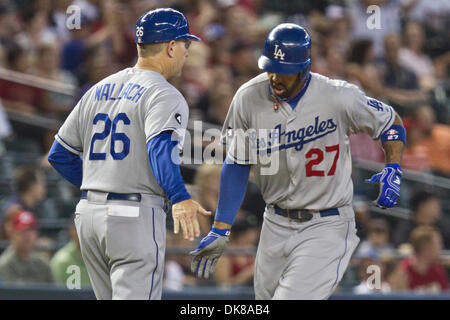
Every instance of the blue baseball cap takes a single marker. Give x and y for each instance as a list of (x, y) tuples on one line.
[(161, 25)]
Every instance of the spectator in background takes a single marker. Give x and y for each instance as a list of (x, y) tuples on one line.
[(47, 66), (318, 63), (426, 208), (177, 266), (31, 190), (412, 56), (97, 66), (207, 182), (9, 23), (243, 62), (362, 215), (366, 268), (363, 22), (418, 125), (363, 147), (335, 63), (195, 80), (237, 18), (19, 263), (361, 68), (434, 16), (238, 269), (377, 239), (220, 83), (200, 14), (17, 96), (59, 18), (363, 72), (6, 222), (2, 56), (220, 99), (401, 86), (396, 75), (423, 271), (73, 52), (36, 31), (68, 257), (5, 128), (428, 143), (118, 31), (90, 8), (339, 26)]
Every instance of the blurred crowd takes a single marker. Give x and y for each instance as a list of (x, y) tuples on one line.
[(397, 52)]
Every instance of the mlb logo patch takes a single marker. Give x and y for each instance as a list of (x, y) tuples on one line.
[(392, 131)]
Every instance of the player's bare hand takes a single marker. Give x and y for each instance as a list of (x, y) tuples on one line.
[(184, 213)]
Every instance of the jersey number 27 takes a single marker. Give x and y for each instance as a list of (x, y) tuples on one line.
[(318, 153), (115, 136)]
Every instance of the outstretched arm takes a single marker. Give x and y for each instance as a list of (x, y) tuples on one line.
[(393, 140), (168, 175), (233, 183)]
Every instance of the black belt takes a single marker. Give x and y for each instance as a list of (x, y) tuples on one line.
[(303, 215), (117, 196)]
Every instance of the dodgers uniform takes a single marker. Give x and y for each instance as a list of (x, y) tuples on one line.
[(119, 146), (301, 160), (121, 218)]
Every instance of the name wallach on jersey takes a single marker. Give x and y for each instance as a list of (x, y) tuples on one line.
[(109, 92)]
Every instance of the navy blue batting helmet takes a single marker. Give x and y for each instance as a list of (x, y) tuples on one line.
[(287, 50), (162, 25)]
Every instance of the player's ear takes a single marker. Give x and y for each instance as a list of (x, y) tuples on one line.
[(171, 48)]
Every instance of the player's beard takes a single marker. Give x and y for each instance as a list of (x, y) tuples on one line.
[(283, 92)]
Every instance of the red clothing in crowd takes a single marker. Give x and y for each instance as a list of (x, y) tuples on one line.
[(435, 279), (21, 93), (237, 266)]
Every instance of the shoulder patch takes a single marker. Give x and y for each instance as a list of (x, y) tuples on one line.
[(178, 118)]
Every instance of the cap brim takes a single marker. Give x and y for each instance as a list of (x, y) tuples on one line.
[(273, 66), (189, 36)]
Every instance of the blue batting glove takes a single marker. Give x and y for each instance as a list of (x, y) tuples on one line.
[(208, 252), (390, 181)]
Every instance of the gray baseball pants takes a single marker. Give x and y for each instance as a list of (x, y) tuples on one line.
[(123, 245), (303, 260)]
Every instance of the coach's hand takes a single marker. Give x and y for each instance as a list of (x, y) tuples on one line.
[(208, 252), (184, 213), (390, 181)]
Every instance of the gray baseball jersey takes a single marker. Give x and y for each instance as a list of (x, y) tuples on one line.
[(123, 241), (308, 146), (112, 123), (301, 160)]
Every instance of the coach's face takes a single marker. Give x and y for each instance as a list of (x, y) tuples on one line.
[(179, 53), (285, 85)]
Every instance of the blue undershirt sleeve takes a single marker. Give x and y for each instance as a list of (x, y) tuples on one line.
[(233, 184), (68, 164), (166, 172)]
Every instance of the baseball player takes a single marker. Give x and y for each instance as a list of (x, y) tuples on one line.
[(300, 121), (116, 145)]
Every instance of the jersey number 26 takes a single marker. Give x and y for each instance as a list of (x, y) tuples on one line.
[(115, 136)]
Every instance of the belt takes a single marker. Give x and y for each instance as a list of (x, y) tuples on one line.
[(117, 196), (303, 215)]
